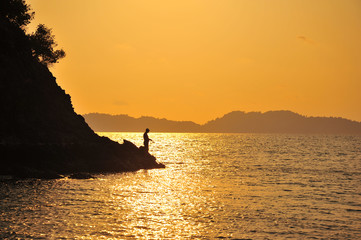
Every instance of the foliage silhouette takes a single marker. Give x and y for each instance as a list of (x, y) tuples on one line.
[(16, 11), (41, 44)]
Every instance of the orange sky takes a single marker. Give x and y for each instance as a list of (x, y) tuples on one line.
[(199, 59)]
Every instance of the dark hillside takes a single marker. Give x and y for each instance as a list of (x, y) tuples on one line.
[(33, 106), (40, 132)]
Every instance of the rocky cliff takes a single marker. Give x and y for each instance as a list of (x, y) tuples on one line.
[(39, 130)]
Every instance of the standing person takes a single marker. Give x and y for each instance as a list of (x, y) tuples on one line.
[(146, 139)]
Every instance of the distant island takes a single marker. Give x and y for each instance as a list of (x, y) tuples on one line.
[(233, 122)]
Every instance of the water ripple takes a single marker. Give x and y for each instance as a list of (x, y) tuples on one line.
[(215, 186)]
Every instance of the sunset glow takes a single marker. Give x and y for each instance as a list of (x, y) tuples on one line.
[(197, 60)]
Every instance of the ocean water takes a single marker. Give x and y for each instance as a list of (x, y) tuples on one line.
[(214, 186)]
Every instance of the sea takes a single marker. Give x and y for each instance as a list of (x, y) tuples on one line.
[(214, 186)]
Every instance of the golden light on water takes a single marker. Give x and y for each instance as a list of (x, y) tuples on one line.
[(168, 200), (232, 186), (162, 202)]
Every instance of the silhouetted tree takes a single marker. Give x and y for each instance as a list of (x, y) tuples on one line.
[(16, 11), (43, 43)]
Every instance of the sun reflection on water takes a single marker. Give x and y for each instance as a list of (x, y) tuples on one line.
[(168, 199), (214, 186), (165, 202)]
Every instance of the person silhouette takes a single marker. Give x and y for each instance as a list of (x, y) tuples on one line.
[(146, 140)]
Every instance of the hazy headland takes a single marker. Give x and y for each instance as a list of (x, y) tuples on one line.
[(233, 122)]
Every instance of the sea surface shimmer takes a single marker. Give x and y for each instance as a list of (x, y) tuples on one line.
[(214, 186)]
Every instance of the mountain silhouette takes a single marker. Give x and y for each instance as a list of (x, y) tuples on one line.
[(124, 123), (281, 122), (233, 122)]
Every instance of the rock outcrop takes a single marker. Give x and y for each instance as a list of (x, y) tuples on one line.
[(40, 134)]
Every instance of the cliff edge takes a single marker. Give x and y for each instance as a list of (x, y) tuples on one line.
[(39, 131)]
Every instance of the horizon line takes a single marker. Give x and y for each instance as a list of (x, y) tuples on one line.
[(262, 112)]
